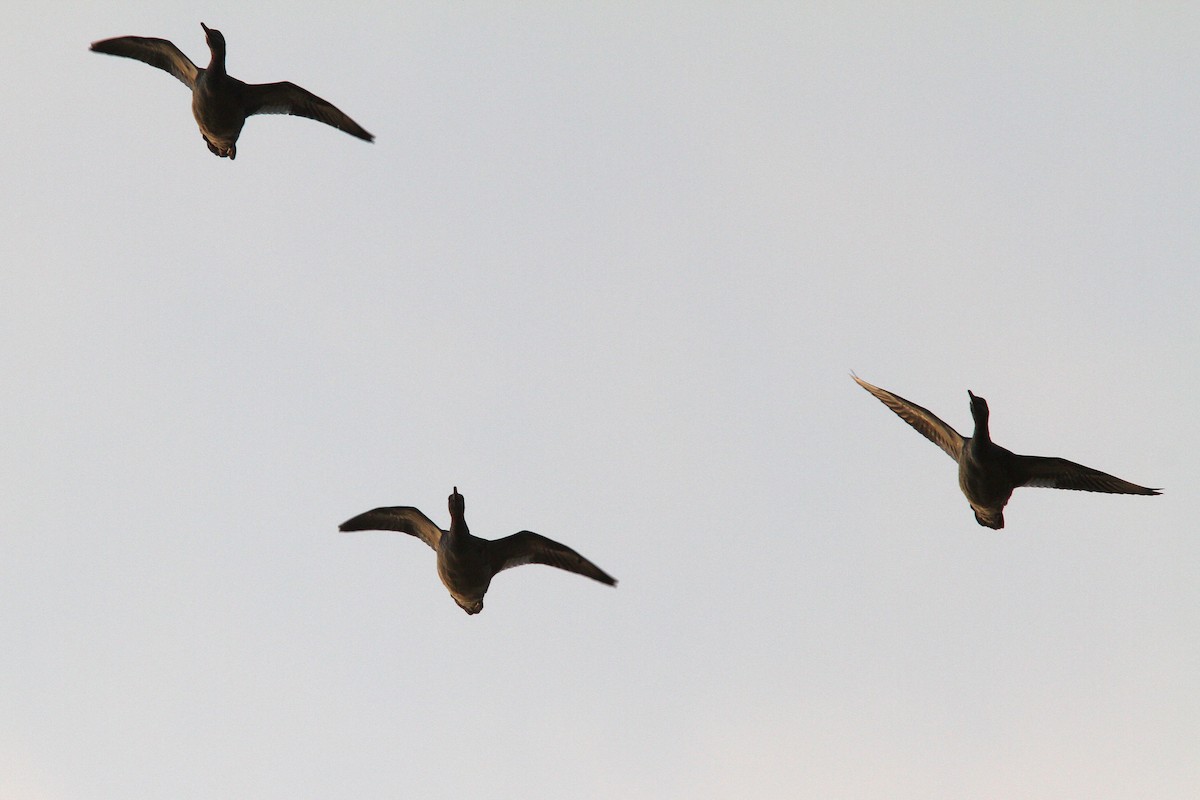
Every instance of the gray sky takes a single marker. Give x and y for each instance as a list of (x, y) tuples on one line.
[(606, 270)]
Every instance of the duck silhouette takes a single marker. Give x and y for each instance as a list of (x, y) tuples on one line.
[(221, 103), (466, 563), (988, 473)]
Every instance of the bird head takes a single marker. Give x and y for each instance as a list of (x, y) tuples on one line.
[(979, 407), (216, 39), (458, 506)]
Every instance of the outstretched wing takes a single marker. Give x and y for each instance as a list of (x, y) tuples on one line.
[(1058, 473), (404, 519), (288, 98), (527, 547), (155, 52), (925, 421)]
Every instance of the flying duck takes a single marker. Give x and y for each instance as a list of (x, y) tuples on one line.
[(988, 473), (221, 103), (465, 563)]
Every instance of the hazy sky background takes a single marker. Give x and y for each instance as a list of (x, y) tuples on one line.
[(606, 269)]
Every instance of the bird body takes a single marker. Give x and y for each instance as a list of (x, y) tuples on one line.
[(466, 563), (220, 123), (220, 102), (986, 480), (987, 472)]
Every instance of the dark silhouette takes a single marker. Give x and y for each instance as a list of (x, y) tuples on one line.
[(221, 103), (987, 473), (465, 563)]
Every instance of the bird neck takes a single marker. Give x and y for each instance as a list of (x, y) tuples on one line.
[(216, 64), (981, 429)]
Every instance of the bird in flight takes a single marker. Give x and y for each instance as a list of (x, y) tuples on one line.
[(466, 563), (988, 473), (221, 103)]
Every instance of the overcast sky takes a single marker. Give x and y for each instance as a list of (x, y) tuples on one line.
[(606, 268)]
